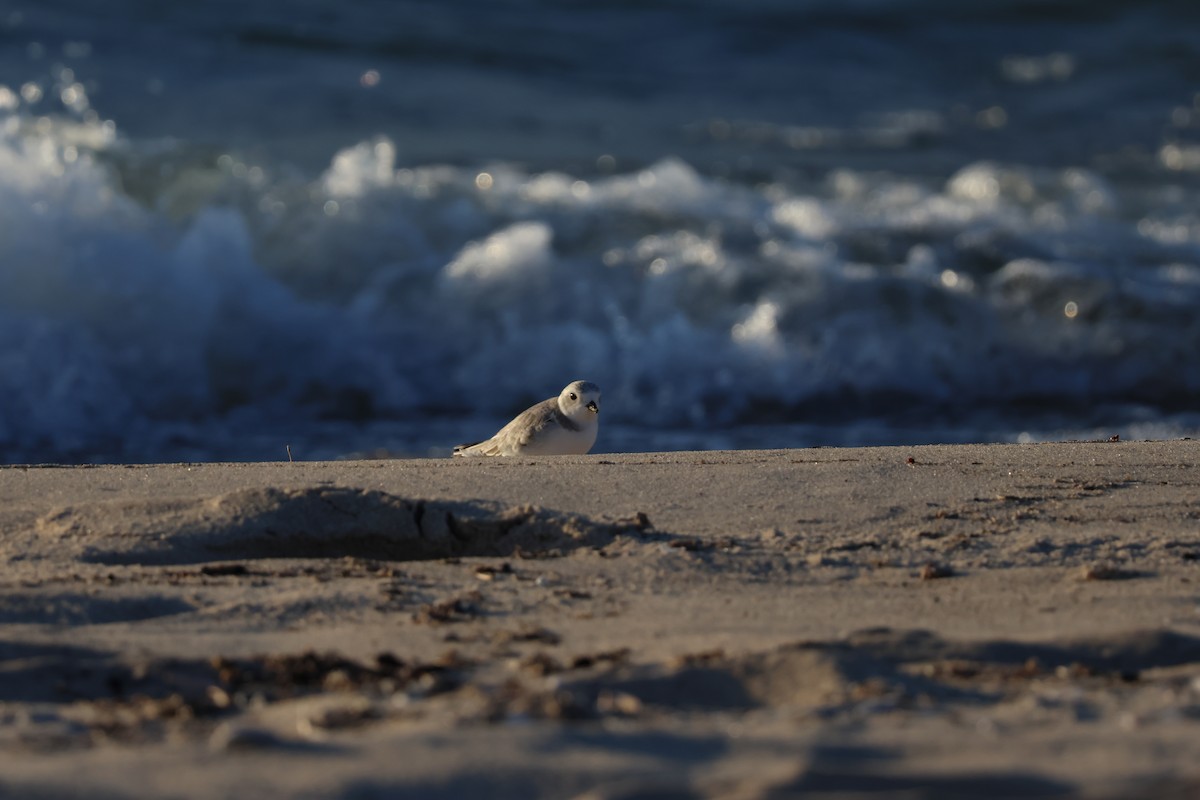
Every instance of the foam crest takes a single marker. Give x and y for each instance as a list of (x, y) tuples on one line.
[(382, 291)]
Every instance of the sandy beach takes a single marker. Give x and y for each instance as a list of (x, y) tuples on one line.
[(952, 621)]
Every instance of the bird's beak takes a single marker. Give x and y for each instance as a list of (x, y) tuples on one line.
[(592, 407)]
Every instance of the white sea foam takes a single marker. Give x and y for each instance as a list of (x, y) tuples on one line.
[(135, 311)]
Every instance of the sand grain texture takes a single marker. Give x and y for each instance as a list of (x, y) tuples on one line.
[(986, 621), (321, 522)]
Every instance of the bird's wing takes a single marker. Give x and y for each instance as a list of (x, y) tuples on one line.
[(516, 434), (526, 424)]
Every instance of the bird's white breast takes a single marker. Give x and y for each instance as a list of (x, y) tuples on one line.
[(555, 440)]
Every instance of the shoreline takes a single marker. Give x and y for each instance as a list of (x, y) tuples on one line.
[(735, 612)]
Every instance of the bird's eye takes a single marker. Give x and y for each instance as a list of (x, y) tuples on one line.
[(573, 396)]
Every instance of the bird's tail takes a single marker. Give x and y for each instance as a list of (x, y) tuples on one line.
[(487, 447), (464, 449)]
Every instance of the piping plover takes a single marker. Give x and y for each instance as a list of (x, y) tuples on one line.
[(561, 426)]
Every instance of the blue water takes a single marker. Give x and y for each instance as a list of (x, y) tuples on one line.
[(348, 228)]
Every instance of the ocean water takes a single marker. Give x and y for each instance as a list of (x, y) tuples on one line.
[(234, 230)]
